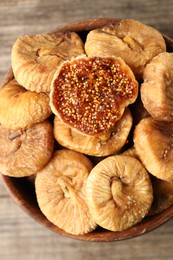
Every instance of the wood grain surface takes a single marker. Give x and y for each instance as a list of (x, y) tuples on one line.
[(21, 238)]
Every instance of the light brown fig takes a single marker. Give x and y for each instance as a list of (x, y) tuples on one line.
[(157, 89), (162, 190), (35, 57), (20, 108), (60, 190), (94, 145), (91, 94), (119, 192), (163, 196), (24, 152), (153, 141), (133, 41)]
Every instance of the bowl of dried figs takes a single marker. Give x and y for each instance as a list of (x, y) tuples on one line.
[(86, 126)]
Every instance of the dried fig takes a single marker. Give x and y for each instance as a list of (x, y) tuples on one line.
[(119, 192), (35, 57), (163, 196), (94, 145), (153, 141), (134, 42), (162, 190), (23, 153), (90, 94), (60, 190), (20, 108), (157, 90)]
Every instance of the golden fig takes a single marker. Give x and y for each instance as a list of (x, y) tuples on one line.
[(60, 189), (105, 145), (20, 108), (133, 41), (119, 192), (24, 152), (35, 57)]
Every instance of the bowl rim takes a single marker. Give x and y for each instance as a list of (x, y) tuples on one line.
[(20, 197)]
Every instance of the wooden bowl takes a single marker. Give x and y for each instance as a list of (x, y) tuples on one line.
[(22, 189)]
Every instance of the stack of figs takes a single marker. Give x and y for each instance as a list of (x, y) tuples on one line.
[(90, 118)]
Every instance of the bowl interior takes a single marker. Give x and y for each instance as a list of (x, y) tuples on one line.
[(22, 190)]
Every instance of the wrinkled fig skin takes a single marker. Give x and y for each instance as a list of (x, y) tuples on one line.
[(60, 190), (157, 90), (94, 145), (36, 57), (20, 108), (163, 196), (153, 141), (124, 40), (119, 192), (23, 153), (162, 190)]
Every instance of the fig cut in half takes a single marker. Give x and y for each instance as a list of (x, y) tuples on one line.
[(90, 94)]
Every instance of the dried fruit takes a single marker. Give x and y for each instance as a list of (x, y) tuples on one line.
[(20, 108), (153, 142), (90, 94), (94, 145), (157, 90), (60, 189), (163, 196), (162, 190), (35, 57), (94, 97), (23, 153), (119, 192), (129, 39)]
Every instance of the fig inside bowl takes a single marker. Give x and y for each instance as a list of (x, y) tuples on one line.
[(22, 190)]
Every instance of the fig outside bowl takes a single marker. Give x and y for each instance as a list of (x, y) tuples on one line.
[(22, 190)]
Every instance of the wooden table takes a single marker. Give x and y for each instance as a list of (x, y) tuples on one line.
[(20, 237)]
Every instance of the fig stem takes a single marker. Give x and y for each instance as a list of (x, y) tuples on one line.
[(13, 135), (116, 189), (66, 186)]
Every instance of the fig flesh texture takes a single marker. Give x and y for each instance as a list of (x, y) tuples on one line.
[(133, 41), (20, 108), (99, 89), (35, 57), (119, 192), (24, 152), (157, 89), (60, 189)]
